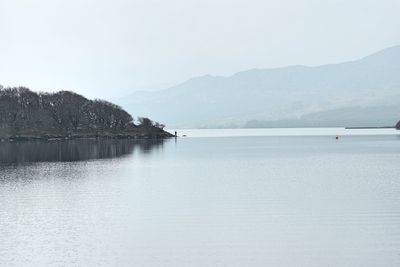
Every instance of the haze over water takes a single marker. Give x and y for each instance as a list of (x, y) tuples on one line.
[(225, 198)]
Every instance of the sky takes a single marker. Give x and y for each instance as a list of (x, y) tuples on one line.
[(110, 48)]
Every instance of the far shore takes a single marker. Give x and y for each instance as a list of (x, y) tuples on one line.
[(369, 127)]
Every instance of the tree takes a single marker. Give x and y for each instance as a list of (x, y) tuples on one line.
[(145, 122), (66, 109), (159, 125), (110, 116), (64, 113)]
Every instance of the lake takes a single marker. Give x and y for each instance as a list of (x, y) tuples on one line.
[(253, 197)]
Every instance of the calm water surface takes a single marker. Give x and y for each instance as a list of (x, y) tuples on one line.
[(235, 199)]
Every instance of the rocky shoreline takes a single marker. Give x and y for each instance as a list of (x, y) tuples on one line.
[(55, 137)]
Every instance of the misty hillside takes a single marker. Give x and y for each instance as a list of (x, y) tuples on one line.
[(286, 94)]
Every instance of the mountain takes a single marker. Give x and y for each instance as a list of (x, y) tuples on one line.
[(288, 93), (28, 115)]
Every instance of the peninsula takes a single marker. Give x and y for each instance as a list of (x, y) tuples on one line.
[(26, 115)]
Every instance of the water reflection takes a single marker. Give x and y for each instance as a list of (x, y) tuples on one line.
[(71, 150), (229, 201)]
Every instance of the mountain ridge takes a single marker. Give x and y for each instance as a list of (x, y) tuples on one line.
[(272, 93)]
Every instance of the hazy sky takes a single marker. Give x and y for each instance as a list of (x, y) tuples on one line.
[(109, 48)]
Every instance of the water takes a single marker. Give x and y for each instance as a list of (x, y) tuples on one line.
[(70, 150), (284, 132), (234, 200)]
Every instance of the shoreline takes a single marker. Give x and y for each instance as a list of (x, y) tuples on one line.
[(369, 128), (143, 136)]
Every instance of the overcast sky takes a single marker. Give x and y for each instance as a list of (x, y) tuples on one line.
[(108, 48)]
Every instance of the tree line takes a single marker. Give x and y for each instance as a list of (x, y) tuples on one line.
[(22, 111)]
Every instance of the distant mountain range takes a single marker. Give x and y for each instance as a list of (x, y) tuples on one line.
[(364, 92)]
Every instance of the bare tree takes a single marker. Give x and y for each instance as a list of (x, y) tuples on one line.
[(64, 112), (145, 122)]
